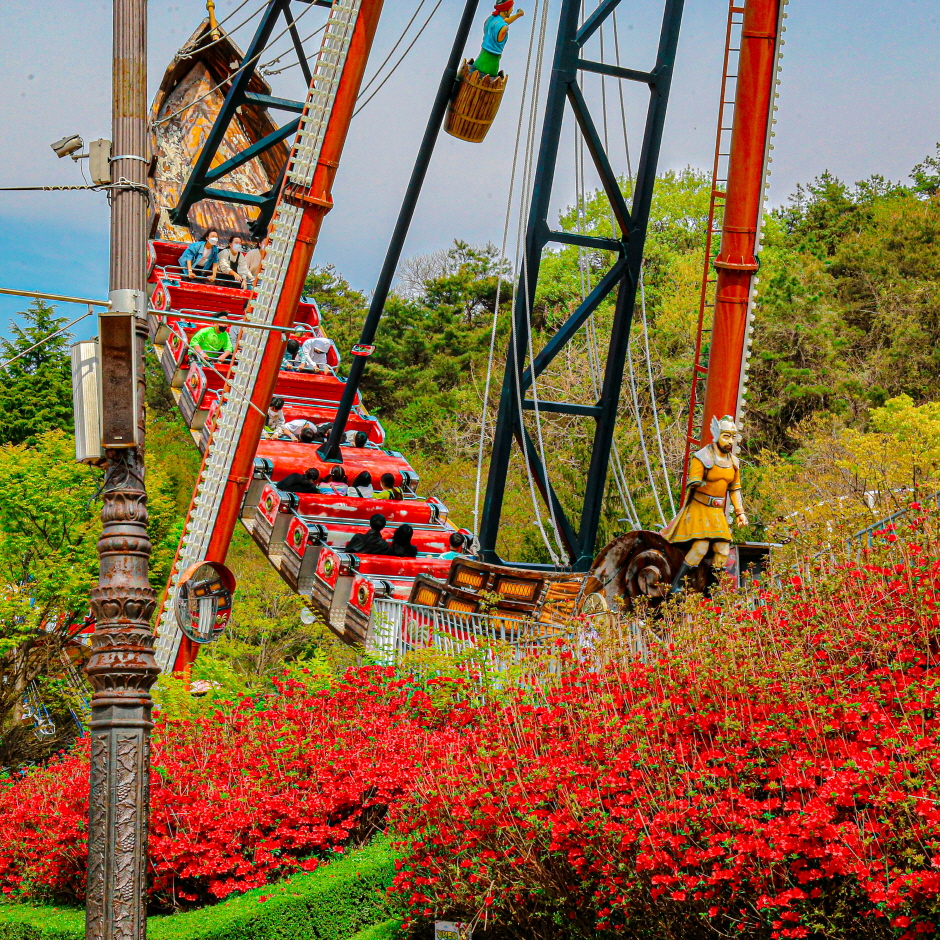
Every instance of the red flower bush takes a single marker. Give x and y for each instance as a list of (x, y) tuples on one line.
[(258, 791), (774, 773)]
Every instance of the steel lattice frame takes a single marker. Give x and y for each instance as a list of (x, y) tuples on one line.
[(200, 186), (623, 274)]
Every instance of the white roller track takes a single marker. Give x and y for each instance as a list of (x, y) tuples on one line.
[(284, 227), (768, 159)]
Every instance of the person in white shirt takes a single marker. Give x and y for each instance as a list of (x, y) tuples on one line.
[(297, 426), (313, 353), (232, 266), (362, 485)]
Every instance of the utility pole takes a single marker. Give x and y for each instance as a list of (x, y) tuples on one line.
[(122, 667)]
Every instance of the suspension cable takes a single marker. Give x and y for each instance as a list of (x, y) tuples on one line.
[(241, 68), (264, 67), (188, 51), (404, 55), (391, 52), (499, 281)]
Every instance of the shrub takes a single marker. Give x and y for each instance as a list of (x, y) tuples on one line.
[(250, 793), (774, 772), (329, 904)]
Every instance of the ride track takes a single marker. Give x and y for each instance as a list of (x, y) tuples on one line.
[(304, 535)]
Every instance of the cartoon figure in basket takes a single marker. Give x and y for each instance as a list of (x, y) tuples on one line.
[(700, 525), (495, 34)]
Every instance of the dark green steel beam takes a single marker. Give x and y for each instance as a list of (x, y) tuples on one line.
[(562, 408), (585, 241), (249, 153), (599, 155), (616, 71), (567, 330), (269, 101)]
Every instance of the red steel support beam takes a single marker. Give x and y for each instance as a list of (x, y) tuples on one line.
[(316, 202), (737, 261)]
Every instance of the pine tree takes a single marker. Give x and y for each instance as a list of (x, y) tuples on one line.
[(35, 389)]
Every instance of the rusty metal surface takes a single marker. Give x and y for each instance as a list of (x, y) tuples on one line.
[(178, 140)]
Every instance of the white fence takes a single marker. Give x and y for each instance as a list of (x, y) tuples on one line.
[(398, 628)]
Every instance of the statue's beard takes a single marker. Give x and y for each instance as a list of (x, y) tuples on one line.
[(725, 448)]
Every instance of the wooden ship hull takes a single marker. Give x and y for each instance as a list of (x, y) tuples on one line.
[(183, 112)]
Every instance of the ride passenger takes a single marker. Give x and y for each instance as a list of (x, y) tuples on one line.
[(338, 481), (200, 260), (361, 439), (297, 426), (276, 424), (313, 353), (232, 266), (213, 343), (254, 257), (457, 541), (362, 485), (389, 490), (371, 542), (301, 482), (401, 542), (292, 358)]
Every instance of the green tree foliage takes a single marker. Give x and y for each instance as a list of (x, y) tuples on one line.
[(430, 345), (36, 389)]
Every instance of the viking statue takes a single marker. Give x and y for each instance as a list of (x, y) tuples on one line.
[(701, 523)]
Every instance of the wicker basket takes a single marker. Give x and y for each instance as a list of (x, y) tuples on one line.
[(474, 107)]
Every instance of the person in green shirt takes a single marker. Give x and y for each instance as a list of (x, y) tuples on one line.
[(213, 343)]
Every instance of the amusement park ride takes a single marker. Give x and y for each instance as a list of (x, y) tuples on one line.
[(222, 163)]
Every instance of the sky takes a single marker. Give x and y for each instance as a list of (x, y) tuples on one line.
[(857, 96)]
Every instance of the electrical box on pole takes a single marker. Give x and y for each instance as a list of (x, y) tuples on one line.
[(119, 368), (99, 161)]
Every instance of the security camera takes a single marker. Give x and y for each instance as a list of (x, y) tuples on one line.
[(67, 145)]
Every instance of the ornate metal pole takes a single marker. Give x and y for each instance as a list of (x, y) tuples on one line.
[(122, 667)]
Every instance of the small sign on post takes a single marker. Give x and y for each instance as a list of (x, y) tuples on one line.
[(451, 930)]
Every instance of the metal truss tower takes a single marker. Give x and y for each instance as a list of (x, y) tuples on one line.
[(623, 276)]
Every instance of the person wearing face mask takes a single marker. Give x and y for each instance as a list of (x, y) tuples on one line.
[(213, 343), (200, 259), (233, 268)]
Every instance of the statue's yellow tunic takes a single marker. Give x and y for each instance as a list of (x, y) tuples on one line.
[(703, 515)]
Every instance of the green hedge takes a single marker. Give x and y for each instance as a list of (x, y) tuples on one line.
[(329, 904), (388, 930)]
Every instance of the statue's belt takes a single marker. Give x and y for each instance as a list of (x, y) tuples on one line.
[(705, 500)]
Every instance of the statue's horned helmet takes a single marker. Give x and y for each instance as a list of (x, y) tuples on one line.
[(720, 425)]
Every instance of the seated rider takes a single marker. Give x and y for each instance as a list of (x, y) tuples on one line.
[(276, 424), (401, 542), (292, 358), (201, 259), (457, 541), (297, 426), (495, 34), (213, 343), (232, 266), (314, 352), (371, 542), (389, 490), (300, 482)]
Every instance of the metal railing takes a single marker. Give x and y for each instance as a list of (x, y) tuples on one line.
[(399, 628)]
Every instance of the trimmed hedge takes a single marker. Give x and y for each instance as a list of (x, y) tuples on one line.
[(331, 903), (389, 930)]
